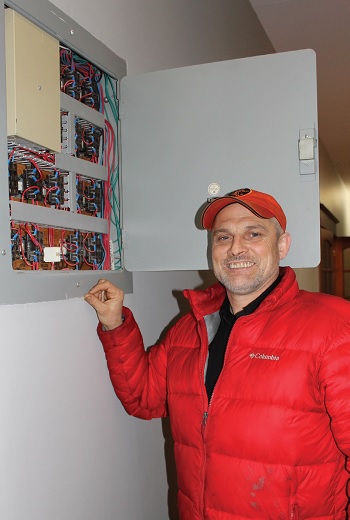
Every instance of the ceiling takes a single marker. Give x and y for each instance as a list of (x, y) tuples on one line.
[(324, 26)]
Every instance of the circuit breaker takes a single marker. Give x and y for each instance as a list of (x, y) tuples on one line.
[(76, 122)]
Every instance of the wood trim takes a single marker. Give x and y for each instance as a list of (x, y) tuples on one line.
[(339, 244), (329, 214)]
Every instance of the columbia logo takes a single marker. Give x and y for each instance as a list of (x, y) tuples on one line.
[(264, 356)]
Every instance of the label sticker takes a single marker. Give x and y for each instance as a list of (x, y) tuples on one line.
[(214, 188)]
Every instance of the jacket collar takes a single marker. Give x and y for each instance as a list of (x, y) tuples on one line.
[(210, 300)]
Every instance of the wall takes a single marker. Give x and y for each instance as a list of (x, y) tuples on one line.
[(68, 450)]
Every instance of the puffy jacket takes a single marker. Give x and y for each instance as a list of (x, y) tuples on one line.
[(273, 440)]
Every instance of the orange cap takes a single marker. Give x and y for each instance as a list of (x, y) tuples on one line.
[(261, 204)]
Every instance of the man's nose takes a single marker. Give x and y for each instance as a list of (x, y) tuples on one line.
[(237, 246)]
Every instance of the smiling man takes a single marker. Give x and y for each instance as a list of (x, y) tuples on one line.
[(255, 379), (246, 249)]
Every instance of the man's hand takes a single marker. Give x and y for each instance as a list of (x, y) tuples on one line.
[(107, 300)]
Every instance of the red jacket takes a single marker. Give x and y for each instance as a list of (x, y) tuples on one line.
[(272, 443)]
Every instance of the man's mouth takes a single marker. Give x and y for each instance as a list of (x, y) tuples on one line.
[(239, 265)]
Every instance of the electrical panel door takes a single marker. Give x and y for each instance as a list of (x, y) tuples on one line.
[(196, 132)]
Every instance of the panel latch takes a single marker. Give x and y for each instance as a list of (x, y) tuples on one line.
[(307, 145)]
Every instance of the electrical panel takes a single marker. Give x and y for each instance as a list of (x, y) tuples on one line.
[(177, 136), (64, 222), (62, 202)]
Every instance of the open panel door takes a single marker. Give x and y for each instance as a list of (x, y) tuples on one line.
[(195, 132)]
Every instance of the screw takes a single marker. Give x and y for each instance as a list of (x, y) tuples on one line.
[(72, 31), (78, 284), (3, 252)]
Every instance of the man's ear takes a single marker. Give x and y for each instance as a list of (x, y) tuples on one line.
[(284, 242)]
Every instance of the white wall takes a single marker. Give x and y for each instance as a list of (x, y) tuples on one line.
[(159, 34), (68, 451)]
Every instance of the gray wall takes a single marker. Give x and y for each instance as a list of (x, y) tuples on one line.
[(68, 450)]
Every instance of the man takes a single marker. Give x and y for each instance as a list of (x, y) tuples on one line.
[(256, 379)]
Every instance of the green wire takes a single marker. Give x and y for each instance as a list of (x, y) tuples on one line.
[(112, 113)]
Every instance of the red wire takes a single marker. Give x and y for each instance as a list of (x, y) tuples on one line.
[(48, 191), (27, 189)]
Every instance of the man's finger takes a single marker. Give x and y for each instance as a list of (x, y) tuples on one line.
[(94, 301)]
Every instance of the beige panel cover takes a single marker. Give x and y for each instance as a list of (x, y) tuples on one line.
[(32, 83)]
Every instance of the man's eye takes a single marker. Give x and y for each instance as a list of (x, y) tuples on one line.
[(222, 238), (254, 235)]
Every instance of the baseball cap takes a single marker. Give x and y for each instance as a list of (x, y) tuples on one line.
[(261, 204)]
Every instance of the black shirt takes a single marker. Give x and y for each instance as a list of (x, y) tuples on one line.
[(217, 347)]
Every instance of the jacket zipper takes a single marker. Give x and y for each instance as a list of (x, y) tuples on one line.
[(205, 417), (204, 421), (204, 430), (205, 413), (294, 514)]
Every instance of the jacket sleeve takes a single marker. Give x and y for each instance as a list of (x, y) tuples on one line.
[(138, 377), (335, 380)]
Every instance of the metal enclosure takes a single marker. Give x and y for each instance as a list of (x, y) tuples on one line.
[(33, 286), (195, 132)]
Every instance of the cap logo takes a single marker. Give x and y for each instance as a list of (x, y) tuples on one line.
[(239, 193)]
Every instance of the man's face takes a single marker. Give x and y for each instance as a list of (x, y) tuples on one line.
[(246, 250)]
